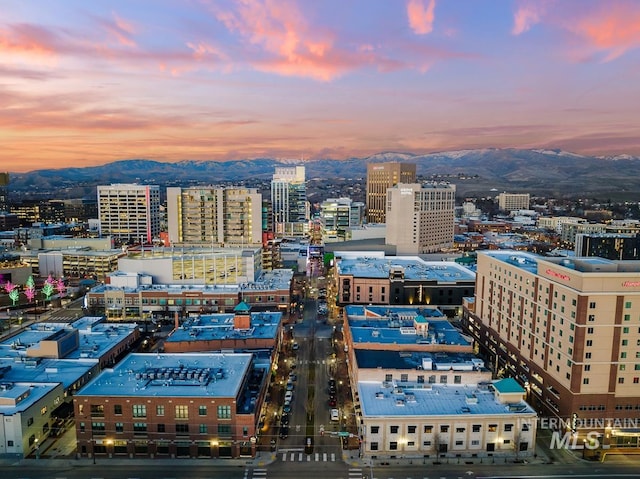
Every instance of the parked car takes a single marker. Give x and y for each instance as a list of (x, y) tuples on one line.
[(293, 377), (332, 401), (335, 415), (284, 420), (284, 432), (295, 346), (290, 386), (287, 407), (288, 396)]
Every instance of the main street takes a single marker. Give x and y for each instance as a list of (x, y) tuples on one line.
[(207, 469)]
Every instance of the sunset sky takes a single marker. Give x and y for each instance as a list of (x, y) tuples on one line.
[(84, 83)]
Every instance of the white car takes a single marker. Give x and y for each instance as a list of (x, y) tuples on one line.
[(335, 415), (288, 396)]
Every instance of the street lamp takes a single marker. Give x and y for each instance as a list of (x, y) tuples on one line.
[(37, 448)]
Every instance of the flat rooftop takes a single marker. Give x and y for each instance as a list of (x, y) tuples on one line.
[(433, 400), (396, 325), (278, 279), (209, 327), (412, 360), (591, 264), (18, 397), (172, 375), (96, 337), (362, 265)]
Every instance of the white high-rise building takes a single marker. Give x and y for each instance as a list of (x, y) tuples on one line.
[(420, 218), (289, 200), (129, 212), (214, 215)]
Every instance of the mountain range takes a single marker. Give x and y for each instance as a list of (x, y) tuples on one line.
[(541, 172)]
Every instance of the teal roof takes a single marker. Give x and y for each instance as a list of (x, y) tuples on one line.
[(420, 319), (242, 307), (507, 386)]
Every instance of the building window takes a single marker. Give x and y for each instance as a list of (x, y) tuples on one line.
[(160, 410), (427, 429), (587, 367), (393, 446), (161, 428), (404, 378), (508, 427), (459, 443), (139, 410), (591, 317), (202, 410), (119, 427), (589, 342), (139, 427), (224, 412), (182, 412), (203, 428), (493, 427), (388, 377), (182, 428), (589, 330), (97, 410), (393, 429), (411, 429), (587, 355), (98, 428), (375, 429), (374, 446), (224, 430), (592, 305), (620, 380), (475, 442), (421, 379), (460, 429), (476, 428), (444, 428), (117, 409)]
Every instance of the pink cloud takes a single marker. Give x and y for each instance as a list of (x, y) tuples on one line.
[(421, 16), (608, 28), (528, 14), (612, 29), (120, 29), (28, 40)]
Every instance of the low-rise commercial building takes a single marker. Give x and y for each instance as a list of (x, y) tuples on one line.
[(173, 405)]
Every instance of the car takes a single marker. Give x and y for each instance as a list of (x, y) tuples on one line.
[(335, 415), (284, 420), (332, 402), (290, 386), (332, 382), (332, 391), (295, 346), (287, 407), (288, 396), (293, 377), (284, 432)]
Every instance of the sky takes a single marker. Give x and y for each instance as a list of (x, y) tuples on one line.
[(87, 83)]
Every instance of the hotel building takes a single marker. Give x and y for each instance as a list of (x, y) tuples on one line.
[(420, 218), (568, 329)]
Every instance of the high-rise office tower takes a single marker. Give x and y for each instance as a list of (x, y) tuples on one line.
[(380, 177), (420, 218), (4, 192), (289, 200), (129, 212), (208, 215)]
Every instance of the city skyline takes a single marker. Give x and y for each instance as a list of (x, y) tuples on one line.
[(88, 84)]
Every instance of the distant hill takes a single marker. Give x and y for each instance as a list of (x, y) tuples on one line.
[(475, 172)]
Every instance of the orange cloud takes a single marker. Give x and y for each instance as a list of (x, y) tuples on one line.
[(421, 16)]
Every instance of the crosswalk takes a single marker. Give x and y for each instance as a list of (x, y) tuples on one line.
[(302, 457), (261, 473)]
